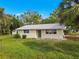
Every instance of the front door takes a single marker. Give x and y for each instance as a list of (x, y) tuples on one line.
[(39, 33)]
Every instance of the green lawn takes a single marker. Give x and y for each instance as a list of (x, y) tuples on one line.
[(11, 48)]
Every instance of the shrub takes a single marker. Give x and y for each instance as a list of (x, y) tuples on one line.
[(24, 36), (16, 36)]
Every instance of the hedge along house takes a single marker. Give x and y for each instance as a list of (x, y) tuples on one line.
[(43, 31)]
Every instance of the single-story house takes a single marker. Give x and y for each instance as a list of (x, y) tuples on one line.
[(43, 31)]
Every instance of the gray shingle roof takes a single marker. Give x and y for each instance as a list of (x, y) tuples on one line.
[(42, 26)]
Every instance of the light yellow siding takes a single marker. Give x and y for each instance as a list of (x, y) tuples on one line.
[(58, 35), (31, 34), (34, 34)]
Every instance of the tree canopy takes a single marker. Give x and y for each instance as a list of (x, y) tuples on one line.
[(31, 17), (6, 21)]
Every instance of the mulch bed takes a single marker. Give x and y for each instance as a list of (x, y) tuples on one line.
[(72, 37)]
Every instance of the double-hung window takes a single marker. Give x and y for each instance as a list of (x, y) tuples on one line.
[(51, 31), (26, 31)]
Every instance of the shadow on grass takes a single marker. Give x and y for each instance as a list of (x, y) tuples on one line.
[(66, 47), (42, 46)]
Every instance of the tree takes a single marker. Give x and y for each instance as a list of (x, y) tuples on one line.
[(8, 22), (67, 4), (70, 17), (31, 17), (4, 21), (15, 23), (53, 18)]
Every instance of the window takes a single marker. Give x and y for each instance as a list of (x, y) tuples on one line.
[(26, 31), (50, 31)]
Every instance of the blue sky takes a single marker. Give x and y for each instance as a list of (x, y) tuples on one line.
[(44, 7)]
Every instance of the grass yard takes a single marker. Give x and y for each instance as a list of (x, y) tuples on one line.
[(11, 48)]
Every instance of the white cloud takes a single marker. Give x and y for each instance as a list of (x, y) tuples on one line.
[(18, 14)]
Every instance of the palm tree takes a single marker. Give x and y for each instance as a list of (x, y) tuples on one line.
[(4, 21)]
